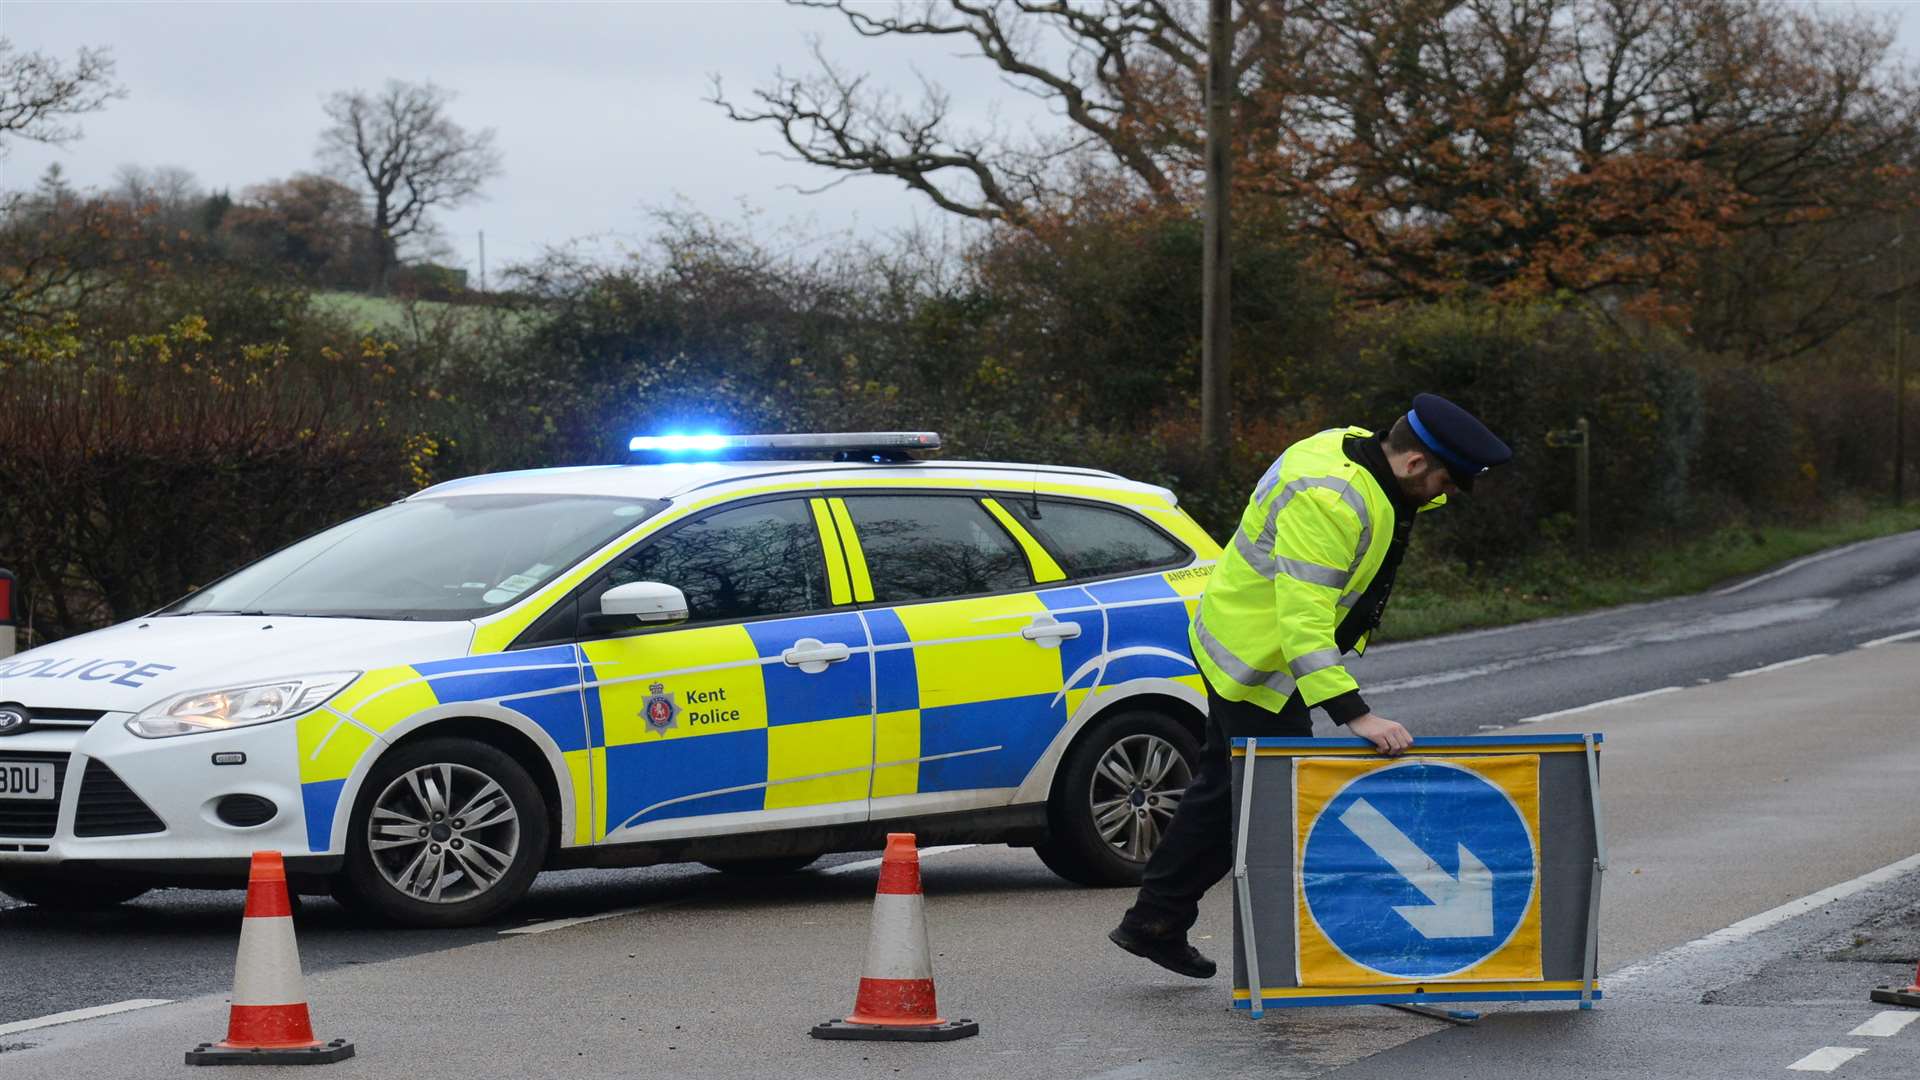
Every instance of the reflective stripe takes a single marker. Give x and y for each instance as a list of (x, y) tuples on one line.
[(837, 583), (1269, 566), (1235, 668), (1334, 484), (1303, 666), (856, 557), (1044, 568)]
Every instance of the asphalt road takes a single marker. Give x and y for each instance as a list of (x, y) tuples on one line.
[(1824, 604), (178, 944)]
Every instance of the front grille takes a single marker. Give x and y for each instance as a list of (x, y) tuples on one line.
[(109, 808), (33, 817), (48, 718)]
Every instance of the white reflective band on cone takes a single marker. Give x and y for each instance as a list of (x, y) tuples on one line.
[(269, 969), (897, 948)]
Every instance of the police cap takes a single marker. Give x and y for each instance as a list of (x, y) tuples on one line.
[(1462, 443)]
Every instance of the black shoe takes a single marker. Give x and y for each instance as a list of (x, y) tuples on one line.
[(1172, 953)]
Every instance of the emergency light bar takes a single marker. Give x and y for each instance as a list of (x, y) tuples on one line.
[(875, 446)]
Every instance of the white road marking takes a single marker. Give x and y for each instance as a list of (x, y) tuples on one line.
[(1748, 927), (1787, 569), (869, 864), (1778, 666), (82, 1014), (1826, 1059), (1890, 639), (562, 924), (1597, 705), (1886, 1024)]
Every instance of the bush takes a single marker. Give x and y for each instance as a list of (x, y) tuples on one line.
[(138, 467)]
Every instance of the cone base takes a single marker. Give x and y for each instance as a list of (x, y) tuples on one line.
[(940, 1031), (1898, 995), (222, 1054)]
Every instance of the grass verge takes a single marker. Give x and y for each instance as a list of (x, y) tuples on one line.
[(1440, 598)]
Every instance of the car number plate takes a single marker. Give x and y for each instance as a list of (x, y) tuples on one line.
[(26, 779)]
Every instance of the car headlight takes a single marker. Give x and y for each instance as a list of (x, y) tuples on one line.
[(238, 706)]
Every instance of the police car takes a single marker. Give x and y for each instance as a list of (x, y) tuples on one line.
[(727, 654)]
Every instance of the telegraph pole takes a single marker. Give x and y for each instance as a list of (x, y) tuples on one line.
[(1216, 421), (483, 260), (1900, 365)]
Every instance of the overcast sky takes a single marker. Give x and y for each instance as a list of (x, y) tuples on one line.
[(598, 107)]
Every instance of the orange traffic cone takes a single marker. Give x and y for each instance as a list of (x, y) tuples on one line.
[(1908, 995), (268, 1023), (896, 999)]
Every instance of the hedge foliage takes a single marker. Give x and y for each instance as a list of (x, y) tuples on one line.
[(198, 416)]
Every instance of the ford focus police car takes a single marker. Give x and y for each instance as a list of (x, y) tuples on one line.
[(731, 656)]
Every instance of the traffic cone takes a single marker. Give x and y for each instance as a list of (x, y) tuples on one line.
[(1908, 995), (268, 1022), (895, 1000)]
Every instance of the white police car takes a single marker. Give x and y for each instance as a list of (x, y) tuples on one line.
[(744, 662)]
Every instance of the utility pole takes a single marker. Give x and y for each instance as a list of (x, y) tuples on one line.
[(1216, 420), (483, 260), (1900, 365)]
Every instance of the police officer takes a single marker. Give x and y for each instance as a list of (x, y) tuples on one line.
[(1304, 581)]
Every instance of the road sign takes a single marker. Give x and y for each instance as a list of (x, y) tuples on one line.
[(1466, 870), (1417, 869)]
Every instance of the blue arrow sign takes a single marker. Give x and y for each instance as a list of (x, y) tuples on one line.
[(1419, 870)]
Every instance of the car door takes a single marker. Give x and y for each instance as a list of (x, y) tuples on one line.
[(757, 711), (969, 659)]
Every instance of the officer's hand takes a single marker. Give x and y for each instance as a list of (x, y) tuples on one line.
[(1388, 737)]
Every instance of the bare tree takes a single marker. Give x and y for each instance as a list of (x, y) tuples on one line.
[(38, 94), (1128, 77), (411, 157)]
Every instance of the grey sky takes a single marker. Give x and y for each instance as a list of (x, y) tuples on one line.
[(598, 107)]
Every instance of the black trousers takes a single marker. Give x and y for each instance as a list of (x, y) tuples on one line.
[(1197, 850)]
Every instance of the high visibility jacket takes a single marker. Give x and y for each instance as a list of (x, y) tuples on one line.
[(1311, 540)]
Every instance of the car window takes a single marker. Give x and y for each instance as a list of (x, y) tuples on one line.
[(448, 557), (738, 563), (1094, 541), (923, 547)]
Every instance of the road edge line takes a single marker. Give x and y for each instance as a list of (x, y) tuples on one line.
[(1598, 705), (76, 1015), (1766, 920)]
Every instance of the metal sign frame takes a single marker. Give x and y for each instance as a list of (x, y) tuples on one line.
[(1247, 753)]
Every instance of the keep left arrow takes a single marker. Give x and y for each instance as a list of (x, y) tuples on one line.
[(1461, 907)]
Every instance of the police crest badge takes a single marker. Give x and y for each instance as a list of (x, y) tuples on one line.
[(659, 709)]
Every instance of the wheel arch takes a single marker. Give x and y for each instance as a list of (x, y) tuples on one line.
[(1176, 700), (503, 729)]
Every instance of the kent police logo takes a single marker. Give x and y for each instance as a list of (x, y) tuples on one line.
[(659, 709), (12, 718)]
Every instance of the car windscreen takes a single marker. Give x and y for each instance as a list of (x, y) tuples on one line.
[(455, 557)]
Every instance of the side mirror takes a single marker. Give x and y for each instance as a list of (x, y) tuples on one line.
[(644, 602)]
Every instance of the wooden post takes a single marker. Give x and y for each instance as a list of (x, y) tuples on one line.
[(1216, 419), (1582, 506), (1899, 367)]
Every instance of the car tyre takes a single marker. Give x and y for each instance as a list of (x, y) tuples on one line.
[(67, 894), (413, 858), (1115, 795)]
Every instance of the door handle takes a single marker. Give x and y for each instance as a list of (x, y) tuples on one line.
[(812, 655), (1048, 632)]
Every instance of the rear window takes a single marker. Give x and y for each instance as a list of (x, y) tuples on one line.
[(925, 547), (1096, 541)]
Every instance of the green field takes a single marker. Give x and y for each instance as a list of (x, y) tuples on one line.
[(388, 315)]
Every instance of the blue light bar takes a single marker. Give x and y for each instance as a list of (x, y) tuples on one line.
[(680, 443), (893, 445)]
